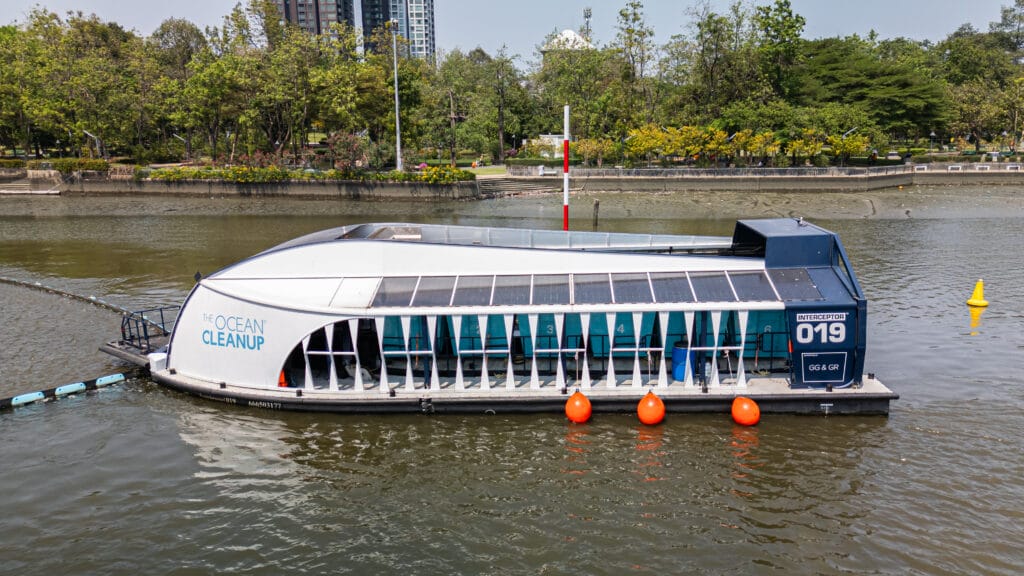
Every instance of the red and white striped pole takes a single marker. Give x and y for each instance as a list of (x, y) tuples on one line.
[(565, 172)]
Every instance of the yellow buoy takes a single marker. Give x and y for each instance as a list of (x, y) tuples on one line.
[(978, 297)]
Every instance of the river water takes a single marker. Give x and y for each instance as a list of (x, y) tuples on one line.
[(137, 479)]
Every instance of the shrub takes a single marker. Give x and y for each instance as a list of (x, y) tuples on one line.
[(444, 175), (820, 161), (546, 162), (69, 165), (250, 175), (12, 164)]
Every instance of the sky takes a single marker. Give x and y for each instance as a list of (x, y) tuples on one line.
[(522, 25)]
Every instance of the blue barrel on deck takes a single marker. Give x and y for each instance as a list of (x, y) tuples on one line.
[(679, 361)]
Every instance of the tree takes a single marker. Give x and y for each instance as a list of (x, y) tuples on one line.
[(714, 65), (977, 112), (594, 149), (807, 146), (765, 146), (19, 83), (845, 146), (645, 142), (582, 78), (898, 98), (635, 44), (1009, 31), (780, 31)]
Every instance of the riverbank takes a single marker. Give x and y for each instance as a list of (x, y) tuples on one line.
[(582, 181), (640, 212)]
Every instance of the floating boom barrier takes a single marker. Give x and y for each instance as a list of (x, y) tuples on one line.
[(44, 288), (60, 391)]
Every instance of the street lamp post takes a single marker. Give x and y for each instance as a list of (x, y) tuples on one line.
[(99, 144), (398, 124), (931, 140), (183, 141)]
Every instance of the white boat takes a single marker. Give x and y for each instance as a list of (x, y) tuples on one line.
[(413, 317)]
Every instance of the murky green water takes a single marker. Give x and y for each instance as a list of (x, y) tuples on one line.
[(137, 479)]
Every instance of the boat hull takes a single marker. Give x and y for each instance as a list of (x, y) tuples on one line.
[(773, 397)]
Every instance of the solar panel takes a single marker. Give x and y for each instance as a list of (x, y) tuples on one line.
[(671, 287), (592, 289), (511, 290), (551, 289), (712, 287), (632, 289), (794, 284), (752, 287)]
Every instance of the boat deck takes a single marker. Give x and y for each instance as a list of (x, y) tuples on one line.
[(131, 353), (772, 394)]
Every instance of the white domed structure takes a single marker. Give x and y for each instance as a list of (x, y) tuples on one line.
[(568, 40)]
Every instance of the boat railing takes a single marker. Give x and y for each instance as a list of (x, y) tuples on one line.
[(140, 327)]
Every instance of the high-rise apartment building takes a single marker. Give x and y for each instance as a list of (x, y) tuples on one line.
[(415, 18), (316, 16), (415, 22)]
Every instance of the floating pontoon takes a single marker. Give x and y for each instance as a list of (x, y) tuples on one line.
[(431, 318)]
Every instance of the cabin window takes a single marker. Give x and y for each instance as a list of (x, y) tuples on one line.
[(395, 291), (434, 291)]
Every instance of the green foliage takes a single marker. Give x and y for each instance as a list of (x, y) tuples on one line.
[(545, 162), (11, 164), (271, 174), (741, 83), (444, 175), (70, 165)]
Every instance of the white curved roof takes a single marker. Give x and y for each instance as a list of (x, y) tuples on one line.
[(370, 258)]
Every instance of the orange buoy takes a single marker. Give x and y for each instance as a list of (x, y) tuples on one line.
[(650, 410), (745, 411), (282, 382), (577, 408)]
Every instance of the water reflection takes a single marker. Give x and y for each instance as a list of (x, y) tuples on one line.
[(650, 453), (576, 445), (743, 444), (975, 313), (242, 454)]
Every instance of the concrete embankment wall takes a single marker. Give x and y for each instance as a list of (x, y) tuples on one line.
[(838, 183), (471, 191), (300, 189), (742, 183)]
